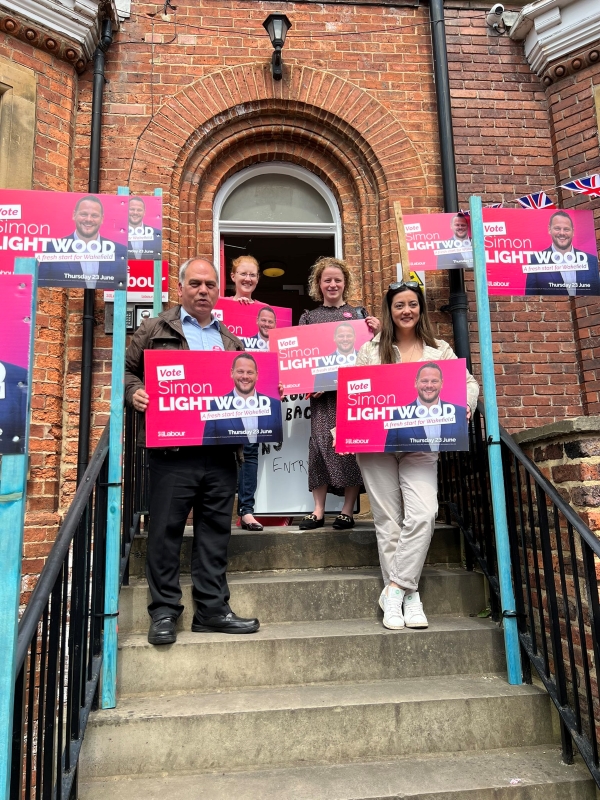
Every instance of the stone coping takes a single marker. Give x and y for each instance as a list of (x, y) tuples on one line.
[(564, 427)]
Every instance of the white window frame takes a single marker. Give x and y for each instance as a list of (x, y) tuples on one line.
[(223, 227)]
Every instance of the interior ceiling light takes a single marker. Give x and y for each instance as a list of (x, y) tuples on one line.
[(273, 269)]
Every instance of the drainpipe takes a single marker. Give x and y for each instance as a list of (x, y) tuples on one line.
[(87, 345), (457, 305)]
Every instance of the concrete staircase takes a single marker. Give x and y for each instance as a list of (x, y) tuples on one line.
[(324, 703)]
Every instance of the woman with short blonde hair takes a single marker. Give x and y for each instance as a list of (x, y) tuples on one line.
[(314, 279), (330, 283)]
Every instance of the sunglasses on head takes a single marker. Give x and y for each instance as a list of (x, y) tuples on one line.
[(414, 285)]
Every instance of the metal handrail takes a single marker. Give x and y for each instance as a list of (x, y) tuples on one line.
[(565, 509), (39, 597), (60, 635), (553, 553)]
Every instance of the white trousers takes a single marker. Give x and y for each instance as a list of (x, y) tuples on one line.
[(402, 488)]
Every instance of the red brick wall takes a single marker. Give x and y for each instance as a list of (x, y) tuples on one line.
[(504, 150), (576, 146), (55, 110)]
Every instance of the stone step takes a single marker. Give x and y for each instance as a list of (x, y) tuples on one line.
[(313, 595), (515, 774), (291, 548), (316, 724), (292, 653)]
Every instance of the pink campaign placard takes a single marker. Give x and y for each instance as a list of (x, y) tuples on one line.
[(80, 240), (144, 229), (15, 334), (438, 241), (416, 407), (140, 282), (251, 322), (205, 397), (541, 252), (310, 355)]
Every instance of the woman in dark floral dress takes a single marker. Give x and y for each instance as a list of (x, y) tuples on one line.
[(330, 282)]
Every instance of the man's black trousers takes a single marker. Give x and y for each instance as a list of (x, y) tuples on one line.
[(203, 479)]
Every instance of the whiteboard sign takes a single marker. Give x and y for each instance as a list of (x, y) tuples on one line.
[(283, 468)]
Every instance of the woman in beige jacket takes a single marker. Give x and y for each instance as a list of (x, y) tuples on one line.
[(402, 487)]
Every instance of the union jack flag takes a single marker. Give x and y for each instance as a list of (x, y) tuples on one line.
[(589, 185), (464, 213), (537, 200)]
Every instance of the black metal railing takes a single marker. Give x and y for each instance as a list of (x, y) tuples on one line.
[(555, 577), (59, 646)]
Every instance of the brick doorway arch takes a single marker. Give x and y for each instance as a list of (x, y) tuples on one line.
[(237, 117)]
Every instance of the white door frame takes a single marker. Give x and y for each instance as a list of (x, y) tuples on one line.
[(221, 227)]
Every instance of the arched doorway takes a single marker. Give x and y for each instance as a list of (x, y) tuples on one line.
[(284, 216)]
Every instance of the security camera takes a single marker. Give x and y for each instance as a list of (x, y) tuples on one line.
[(494, 17)]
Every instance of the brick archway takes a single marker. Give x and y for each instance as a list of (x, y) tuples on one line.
[(230, 119)]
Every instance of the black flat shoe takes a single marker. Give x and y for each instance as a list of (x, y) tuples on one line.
[(343, 522), (310, 522), (224, 623), (251, 526), (162, 631)]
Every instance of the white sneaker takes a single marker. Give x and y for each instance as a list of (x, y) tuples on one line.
[(392, 613), (382, 599), (414, 616)]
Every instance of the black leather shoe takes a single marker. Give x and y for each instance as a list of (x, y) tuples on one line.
[(162, 631), (224, 623), (343, 522), (251, 526), (310, 522)]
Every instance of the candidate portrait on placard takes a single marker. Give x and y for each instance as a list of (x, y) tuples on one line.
[(266, 321), (344, 355), (143, 240), (84, 258), (461, 255), (250, 429), (13, 408), (443, 424), (566, 271)]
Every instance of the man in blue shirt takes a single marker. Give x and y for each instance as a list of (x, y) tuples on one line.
[(182, 479)]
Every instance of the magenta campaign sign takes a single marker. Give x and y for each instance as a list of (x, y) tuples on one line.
[(15, 335), (145, 221), (140, 282), (203, 397), (79, 240), (438, 241), (252, 322), (415, 407), (310, 355), (541, 252)]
